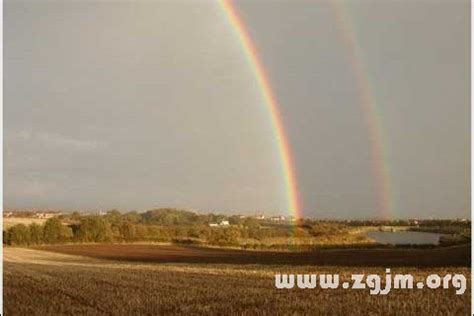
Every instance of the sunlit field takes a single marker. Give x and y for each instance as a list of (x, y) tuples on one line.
[(172, 262), (39, 282), (12, 221)]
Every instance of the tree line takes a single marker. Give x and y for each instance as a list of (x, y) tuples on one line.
[(155, 225), (174, 225), (160, 225)]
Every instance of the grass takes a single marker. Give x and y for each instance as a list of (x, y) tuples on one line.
[(43, 282)]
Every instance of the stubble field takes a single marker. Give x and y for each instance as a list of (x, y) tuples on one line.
[(99, 280)]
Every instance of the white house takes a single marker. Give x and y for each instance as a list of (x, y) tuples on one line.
[(278, 218), (47, 215)]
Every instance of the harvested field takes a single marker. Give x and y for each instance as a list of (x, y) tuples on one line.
[(46, 283), (437, 257), (12, 221)]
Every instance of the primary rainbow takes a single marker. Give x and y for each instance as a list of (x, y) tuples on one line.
[(286, 158)]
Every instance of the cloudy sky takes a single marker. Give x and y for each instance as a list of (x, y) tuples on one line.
[(150, 104)]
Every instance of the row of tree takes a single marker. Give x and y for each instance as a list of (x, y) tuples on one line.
[(51, 232), (158, 225), (172, 225)]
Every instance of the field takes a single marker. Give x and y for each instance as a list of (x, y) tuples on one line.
[(441, 257), (151, 279), (11, 221)]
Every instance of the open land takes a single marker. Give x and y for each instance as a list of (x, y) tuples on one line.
[(12, 221), (124, 279), (440, 257)]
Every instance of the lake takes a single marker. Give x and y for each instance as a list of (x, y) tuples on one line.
[(405, 238)]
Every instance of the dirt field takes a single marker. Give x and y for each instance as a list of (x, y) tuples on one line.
[(438, 257), (46, 283)]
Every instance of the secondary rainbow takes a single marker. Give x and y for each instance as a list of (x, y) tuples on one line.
[(286, 158), (372, 116)]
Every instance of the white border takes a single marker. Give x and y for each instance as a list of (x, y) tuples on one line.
[(1, 155), (472, 133)]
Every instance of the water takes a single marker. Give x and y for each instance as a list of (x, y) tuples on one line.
[(405, 238)]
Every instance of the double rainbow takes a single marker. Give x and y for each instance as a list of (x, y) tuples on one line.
[(366, 98)]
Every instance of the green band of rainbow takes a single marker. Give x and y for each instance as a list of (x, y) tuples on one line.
[(286, 159)]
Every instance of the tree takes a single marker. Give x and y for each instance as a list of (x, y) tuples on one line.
[(170, 216), (19, 235), (55, 232), (113, 217), (127, 230), (141, 232), (75, 215), (36, 233), (94, 229), (132, 217), (236, 220), (251, 222)]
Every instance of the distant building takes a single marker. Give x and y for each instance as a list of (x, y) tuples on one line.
[(261, 216), (278, 218), (7, 214), (213, 225), (224, 223), (46, 215)]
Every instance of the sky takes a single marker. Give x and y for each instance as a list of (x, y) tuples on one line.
[(137, 105)]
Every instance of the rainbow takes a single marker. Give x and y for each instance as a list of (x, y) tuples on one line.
[(366, 99), (372, 115), (286, 157)]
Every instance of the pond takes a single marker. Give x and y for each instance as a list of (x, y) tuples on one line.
[(405, 238)]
